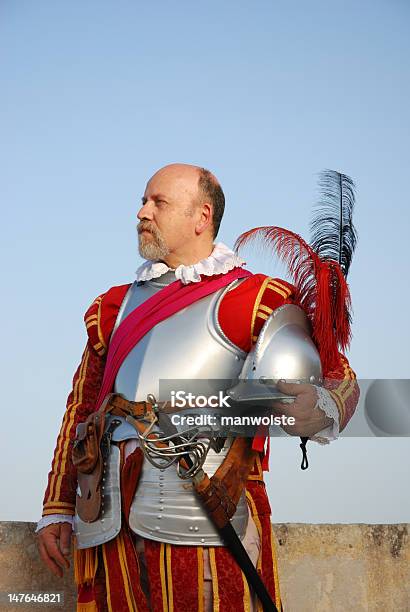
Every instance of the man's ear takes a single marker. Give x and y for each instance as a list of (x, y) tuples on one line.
[(205, 218)]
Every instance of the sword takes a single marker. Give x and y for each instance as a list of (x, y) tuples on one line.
[(227, 533)]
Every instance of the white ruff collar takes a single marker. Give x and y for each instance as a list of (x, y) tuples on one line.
[(220, 261)]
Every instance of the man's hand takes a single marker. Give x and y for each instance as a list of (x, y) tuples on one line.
[(54, 543), (308, 419)]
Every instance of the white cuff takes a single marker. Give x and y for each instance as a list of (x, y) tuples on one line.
[(54, 518), (326, 403)]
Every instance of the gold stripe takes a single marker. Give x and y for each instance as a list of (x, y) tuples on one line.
[(254, 338), (262, 315), (125, 577), (200, 555), (58, 503), (100, 336), (60, 437), (91, 316), (339, 404), (91, 324), (349, 374), (282, 286), (96, 304), (259, 564), (257, 522), (169, 577), (258, 526), (71, 422), (97, 301), (275, 570), (349, 390), (346, 396), (345, 382), (54, 510), (107, 580), (265, 309), (343, 386), (163, 578), (257, 302), (246, 594), (90, 606), (282, 293), (215, 589)]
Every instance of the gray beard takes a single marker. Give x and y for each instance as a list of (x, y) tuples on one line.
[(152, 249)]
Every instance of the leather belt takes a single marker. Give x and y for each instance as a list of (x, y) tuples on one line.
[(118, 405)]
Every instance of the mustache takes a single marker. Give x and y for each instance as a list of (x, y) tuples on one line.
[(145, 226)]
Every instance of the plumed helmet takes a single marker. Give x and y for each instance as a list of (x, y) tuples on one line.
[(284, 350)]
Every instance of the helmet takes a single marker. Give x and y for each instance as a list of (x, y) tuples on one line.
[(284, 350)]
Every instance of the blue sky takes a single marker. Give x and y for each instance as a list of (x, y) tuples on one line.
[(96, 96)]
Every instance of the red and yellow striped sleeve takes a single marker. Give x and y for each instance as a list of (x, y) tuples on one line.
[(99, 319), (343, 388)]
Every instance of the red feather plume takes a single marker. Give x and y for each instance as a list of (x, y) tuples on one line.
[(321, 288)]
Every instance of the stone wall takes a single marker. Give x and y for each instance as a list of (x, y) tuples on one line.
[(322, 567)]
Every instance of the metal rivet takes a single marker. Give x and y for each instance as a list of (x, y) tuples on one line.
[(191, 528), (157, 528), (202, 539), (196, 528), (159, 516)]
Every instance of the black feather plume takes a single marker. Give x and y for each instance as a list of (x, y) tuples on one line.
[(333, 235)]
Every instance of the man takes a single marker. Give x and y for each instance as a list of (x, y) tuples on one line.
[(179, 218)]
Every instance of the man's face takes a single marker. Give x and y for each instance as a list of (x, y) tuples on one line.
[(168, 215)]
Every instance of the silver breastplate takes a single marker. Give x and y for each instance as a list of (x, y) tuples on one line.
[(190, 345)]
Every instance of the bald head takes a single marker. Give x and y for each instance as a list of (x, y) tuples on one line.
[(201, 184), (185, 171)]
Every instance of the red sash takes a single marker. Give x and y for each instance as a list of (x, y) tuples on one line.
[(155, 309)]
